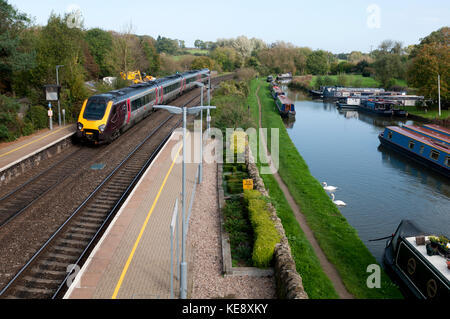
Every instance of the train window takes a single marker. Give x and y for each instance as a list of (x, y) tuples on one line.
[(411, 144), (434, 155), (135, 104), (95, 110)]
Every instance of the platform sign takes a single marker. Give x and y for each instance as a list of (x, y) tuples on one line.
[(248, 184)]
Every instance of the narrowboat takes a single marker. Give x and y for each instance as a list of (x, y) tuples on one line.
[(285, 106), (352, 102), (269, 78), (425, 148), (437, 128), (277, 91), (441, 138), (377, 107), (418, 262), (286, 76)]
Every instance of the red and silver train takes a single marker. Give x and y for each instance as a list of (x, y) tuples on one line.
[(105, 116)]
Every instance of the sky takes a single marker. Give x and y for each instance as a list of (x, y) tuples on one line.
[(338, 26)]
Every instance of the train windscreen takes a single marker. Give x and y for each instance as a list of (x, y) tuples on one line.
[(95, 109)]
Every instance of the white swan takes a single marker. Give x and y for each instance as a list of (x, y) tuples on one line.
[(330, 189), (338, 202)]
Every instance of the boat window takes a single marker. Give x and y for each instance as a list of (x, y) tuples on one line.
[(434, 155), (447, 161), (390, 135), (95, 109), (422, 148), (411, 144)]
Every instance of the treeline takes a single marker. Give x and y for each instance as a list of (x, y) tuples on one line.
[(29, 55)]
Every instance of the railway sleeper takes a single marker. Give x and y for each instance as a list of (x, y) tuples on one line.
[(74, 243), (78, 235), (49, 273), (86, 225), (29, 290), (70, 250), (42, 281), (93, 219)]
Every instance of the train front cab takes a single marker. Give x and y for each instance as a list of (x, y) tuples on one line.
[(93, 120)]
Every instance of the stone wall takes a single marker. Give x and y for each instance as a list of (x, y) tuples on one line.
[(288, 281)]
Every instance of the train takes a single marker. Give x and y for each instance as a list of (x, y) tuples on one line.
[(104, 117)]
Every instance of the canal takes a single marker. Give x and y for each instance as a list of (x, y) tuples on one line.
[(379, 186)]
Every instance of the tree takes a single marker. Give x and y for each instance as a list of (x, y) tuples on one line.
[(166, 45), (432, 59), (14, 54), (202, 63), (199, 44), (317, 62), (225, 57), (389, 63), (100, 46)]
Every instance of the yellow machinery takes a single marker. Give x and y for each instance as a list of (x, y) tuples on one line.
[(136, 76)]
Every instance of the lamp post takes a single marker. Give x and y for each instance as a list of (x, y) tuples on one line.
[(439, 93), (59, 105), (200, 171), (184, 111), (208, 116)]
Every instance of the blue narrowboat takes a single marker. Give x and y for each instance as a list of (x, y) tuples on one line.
[(276, 91), (438, 129), (424, 147), (377, 107), (418, 262), (285, 106)]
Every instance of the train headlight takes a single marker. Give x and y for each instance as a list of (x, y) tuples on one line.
[(80, 126), (101, 128)]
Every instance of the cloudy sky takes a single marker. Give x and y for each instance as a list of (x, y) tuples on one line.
[(337, 26)]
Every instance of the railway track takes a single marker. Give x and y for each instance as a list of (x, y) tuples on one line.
[(24, 196), (45, 275)]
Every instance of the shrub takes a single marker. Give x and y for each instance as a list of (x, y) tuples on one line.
[(38, 117), (27, 128), (266, 235)]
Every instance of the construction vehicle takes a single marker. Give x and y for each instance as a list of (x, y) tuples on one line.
[(136, 76)]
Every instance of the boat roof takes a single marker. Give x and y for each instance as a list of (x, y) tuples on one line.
[(284, 99), (429, 132), (277, 89), (423, 139), (444, 130), (437, 261)]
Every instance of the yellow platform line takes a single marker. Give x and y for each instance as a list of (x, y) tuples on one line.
[(130, 257), (16, 149)]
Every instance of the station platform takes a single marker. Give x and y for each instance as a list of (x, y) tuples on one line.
[(16, 152), (132, 259)]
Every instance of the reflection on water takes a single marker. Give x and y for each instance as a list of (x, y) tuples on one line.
[(289, 122), (380, 186)]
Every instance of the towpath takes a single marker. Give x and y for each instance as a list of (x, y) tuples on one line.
[(328, 267)]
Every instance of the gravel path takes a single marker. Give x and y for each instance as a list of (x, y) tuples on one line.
[(204, 237)]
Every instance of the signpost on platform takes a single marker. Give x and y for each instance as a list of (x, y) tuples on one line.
[(185, 111), (51, 94)]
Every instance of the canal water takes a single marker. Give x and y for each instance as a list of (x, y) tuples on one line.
[(380, 187)]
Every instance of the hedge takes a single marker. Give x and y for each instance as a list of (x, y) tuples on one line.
[(266, 235)]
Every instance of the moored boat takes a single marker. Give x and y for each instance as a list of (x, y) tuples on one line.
[(285, 106), (425, 149), (418, 262), (277, 91), (349, 102), (377, 107)]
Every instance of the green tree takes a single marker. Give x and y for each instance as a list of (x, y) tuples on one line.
[(14, 54), (317, 62), (389, 63), (167, 45), (432, 59), (202, 63), (100, 45)]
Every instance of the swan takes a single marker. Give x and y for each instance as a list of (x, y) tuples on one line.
[(338, 202), (330, 189)]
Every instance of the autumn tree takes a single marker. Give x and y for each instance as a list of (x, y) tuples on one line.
[(431, 59)]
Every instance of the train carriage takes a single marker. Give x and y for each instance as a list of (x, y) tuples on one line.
[(105, 116)]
